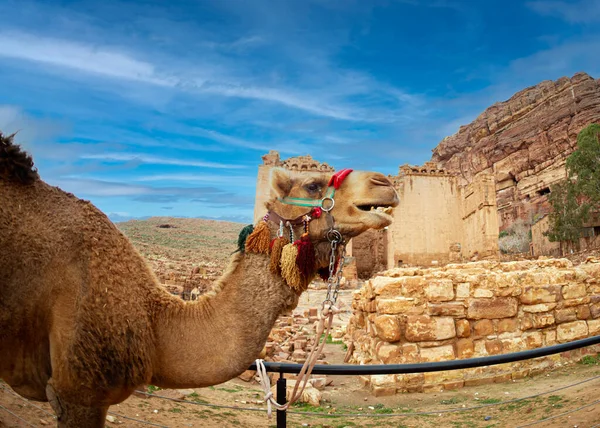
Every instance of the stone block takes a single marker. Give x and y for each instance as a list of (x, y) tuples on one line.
[(443, 376), (575, 302), (480, 349), (568, 332), (543, 294), (526, 322), (493, 347), (495, 307), (412, 285), (453, 385), (463, 290), (506, 325), (388, 328), (463, 328), (383, 391), (439, 290), (512, 345), (593, 327), (540, 307), (595, 310), (565, 315), (383, 380), (583, 312), (451, 309), (410, 353), (399, 305), (465, 348), (573, 291), (385, 286), (483, 293), (542, 320), (483, 328), (550, 337), (532, 339), (439, 353), (389, 354), (421, 328)]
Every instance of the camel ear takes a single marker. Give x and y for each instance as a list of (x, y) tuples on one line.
[(281, 182)]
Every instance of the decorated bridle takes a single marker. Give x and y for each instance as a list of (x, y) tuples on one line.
[(294, 259)]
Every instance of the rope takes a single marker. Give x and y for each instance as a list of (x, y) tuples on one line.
[(454, 410), (16, 416), (304, 376), (218, 406), (559, 415), (27, 401)]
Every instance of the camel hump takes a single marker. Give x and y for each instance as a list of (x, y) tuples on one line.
[(15, 163)]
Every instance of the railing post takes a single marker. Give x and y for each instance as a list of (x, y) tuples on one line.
[(281, 399)]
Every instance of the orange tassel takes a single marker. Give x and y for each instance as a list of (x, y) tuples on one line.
[(259, 240), (277, 245), (289, 269)]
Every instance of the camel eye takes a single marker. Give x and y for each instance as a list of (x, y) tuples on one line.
[(313, 187)]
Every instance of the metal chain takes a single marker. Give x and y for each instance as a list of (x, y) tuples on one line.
[(336, 240)]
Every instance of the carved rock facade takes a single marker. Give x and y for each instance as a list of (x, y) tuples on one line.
[(524, 142)]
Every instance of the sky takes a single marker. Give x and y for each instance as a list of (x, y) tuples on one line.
[(154, 108)]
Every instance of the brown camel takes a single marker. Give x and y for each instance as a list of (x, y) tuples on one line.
[(84, 321)]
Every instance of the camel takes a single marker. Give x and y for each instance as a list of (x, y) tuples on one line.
[(84, 321)]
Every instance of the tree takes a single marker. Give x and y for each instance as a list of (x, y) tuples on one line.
[(584, 164), (574, 198)]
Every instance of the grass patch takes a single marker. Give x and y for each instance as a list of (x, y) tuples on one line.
[(152, 389), (490, 401), (590, 360), (175, 410), (453, 400)]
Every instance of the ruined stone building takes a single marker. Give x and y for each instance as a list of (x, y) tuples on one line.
[(438, 221)]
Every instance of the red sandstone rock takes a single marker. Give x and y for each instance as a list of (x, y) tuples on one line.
[(524, 142)]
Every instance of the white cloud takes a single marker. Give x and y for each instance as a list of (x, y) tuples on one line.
[(583, 11), (247, 181), (77, 56), (148, 159)]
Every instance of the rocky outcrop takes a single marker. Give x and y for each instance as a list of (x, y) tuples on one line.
[(416, 315), (524, 142)]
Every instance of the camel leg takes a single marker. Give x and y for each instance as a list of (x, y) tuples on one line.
[(70, 415)]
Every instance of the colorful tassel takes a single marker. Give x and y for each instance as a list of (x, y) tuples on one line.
[(260, 239), (243, 236), (306, 256), (277, 245), (289, 269)]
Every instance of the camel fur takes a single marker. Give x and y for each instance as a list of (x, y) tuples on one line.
[(84, 321)]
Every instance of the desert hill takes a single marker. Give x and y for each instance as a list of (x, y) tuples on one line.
[(178, 248)]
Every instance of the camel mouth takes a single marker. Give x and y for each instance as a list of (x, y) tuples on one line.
[(376, 207)]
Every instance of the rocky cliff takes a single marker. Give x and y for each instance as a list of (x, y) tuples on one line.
[(524, 142)]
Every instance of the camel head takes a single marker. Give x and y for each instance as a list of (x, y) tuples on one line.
[(361, 200)]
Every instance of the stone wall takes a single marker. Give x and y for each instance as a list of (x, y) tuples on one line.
[(412, 315), (541, 245), (440, 221)]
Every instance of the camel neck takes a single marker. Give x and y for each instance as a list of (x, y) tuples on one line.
[(223, 331)]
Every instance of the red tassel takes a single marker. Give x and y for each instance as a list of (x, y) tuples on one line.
[(306, 256)]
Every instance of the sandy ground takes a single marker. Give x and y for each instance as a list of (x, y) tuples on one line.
[(347, 396)]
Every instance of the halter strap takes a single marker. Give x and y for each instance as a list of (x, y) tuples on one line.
[(326, 203)]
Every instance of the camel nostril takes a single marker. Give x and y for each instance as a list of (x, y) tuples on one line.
[(381, 181)]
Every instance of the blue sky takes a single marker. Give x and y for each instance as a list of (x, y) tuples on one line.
[(165, 108)]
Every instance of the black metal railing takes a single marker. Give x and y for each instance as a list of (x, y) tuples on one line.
[(376, 369)]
